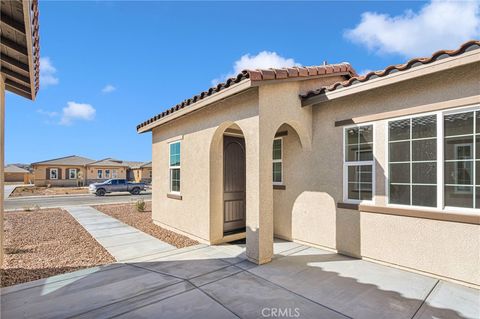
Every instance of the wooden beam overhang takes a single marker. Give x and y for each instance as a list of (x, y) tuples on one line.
[(18, 86), (16, 75), (14, 46), (17, 91), (12, 62), (11, 23)]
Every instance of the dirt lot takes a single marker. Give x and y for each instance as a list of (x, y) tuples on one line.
[(128, 214), (44, 243), (40, 190)]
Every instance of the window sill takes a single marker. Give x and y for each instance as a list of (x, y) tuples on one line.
[(281, 187), (174, 196), (427, 214), (347, 206)]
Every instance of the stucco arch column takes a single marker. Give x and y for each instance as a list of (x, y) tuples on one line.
[(259, 191)]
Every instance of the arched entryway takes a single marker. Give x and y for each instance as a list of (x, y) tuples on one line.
[(234, 182), (288, 155), (228, 183)]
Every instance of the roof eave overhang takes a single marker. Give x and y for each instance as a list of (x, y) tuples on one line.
[(28, 32), (347, 75), (427, 69), (225, 93)]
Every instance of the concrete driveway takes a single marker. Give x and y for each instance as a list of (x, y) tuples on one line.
[(217, 282), (71, 200)]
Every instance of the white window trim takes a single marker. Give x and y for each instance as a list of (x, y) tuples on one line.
[(170, 167), (114, 173), (358, 163), (107, 173), (50, 173), (440, 162), (279, 161), (99, 176), (70, 170)]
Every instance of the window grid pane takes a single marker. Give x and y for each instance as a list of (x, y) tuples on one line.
[(359, 148), (175, 154), (359, 144), (413, 161), (461, 156)]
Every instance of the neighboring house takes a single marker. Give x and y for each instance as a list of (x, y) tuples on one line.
[(132, 166), (142, 173), (15, 174), (99, 171), (20, 66), (383, 166), (64, 171)]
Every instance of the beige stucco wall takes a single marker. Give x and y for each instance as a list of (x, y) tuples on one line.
[(313, 173), (443, 248), (92, 175), (191, 215), (41, 179), (15, 177)]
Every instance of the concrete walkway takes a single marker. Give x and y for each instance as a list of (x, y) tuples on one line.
[(217, 282), (8, 189), (122, 241)]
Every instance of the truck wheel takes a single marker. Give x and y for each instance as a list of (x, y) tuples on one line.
[(135, 191), (100, 192)]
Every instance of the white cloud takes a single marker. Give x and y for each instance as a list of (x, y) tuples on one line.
[(77, 111), (47, 72), (47, 113), (438, 25), (108, 88), (262, 60)]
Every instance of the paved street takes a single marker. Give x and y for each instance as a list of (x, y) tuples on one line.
[(59, 201), (217, 282)]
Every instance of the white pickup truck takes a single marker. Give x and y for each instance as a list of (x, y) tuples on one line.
[(116, 185)]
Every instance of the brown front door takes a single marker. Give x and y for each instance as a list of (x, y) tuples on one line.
[(233, 183)]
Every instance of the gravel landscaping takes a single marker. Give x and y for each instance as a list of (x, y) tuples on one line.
[(128, 214), (43, 190), (45, 243)]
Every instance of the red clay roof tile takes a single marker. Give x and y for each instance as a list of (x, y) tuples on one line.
[(256, 76), (468, 46)]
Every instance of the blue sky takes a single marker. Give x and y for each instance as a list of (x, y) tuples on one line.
[(107, 66)]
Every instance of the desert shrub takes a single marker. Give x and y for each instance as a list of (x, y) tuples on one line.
[(140, 205)]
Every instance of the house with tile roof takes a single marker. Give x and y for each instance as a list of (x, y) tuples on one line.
[(107, 168), (383, 166), (63, 171), (77, 170), (15, 174), (141, 172)]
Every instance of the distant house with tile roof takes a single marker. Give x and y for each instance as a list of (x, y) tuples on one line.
[(142, 172), (15, 174), (76, 170)]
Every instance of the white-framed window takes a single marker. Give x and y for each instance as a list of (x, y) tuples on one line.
[(53, 173), (277, 161), (412, 161), (174, 166), (461, 134), (99, 174), (434, 160), (358, 164), (72, 173), (107, 173), (114, 173)]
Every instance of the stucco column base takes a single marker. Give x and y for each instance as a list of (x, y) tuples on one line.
[(259, 262)]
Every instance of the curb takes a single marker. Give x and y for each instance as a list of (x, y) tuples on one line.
[(63, 206)]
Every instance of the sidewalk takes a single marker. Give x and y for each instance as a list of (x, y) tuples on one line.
[(122, 241)]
